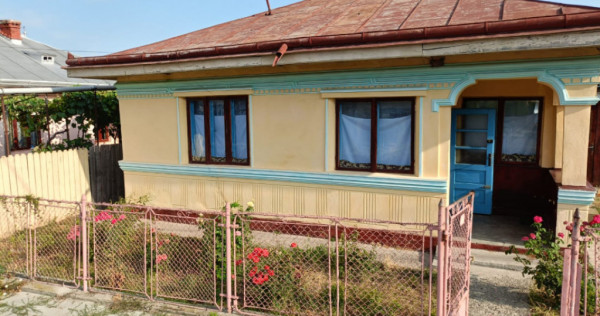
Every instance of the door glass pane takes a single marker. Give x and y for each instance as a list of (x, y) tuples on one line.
[(239, 131), (355, 135), (471, 139), (520, 130), (197, 131), (217, 130), (394, 134), (478, 121), (471, 156)]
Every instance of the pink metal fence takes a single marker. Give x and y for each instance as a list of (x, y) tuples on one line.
[(246, 262), (581, 271)]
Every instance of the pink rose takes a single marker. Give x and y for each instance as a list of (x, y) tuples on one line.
[(532, 236), (537, 219), (561, 235), (525, 238)]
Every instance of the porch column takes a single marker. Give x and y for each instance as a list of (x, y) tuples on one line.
[(571, 157), (576, 129)]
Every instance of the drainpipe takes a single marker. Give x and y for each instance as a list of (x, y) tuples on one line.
[(268, 6), (5, 122)]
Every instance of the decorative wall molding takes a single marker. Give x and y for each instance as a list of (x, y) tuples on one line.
[(389, 183), (455, 77), (576, 197)]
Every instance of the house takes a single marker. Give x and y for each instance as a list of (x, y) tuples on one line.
[(365, 108), (25, 63)]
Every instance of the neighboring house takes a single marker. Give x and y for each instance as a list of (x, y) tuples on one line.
[(25, 63), (370, 109)]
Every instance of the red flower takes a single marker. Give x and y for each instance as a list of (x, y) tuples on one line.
[(596, 220), (267, 268), (257, 281), (537, 219), (525, 238), (114, 221), (532, 236), (561, 235), (252, 274), (265, 253), (160, 258), (238, 262), (271, 273), (293, 245)]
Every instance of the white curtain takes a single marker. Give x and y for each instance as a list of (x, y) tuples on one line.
[(355, 139), (520, 134), (198, 144), (394, 141)]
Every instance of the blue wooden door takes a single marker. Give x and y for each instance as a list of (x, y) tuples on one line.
[(472, 156)]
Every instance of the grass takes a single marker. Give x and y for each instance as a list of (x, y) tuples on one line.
[(541, 305)]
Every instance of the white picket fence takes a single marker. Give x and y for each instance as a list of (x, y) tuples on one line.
[(60, 175)]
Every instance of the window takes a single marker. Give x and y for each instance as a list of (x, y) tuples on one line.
[(218, 130), (375, 135), (518, 127)]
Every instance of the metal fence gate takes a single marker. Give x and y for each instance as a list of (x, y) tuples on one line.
[(243, 261)]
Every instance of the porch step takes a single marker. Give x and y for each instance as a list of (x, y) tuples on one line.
[(495, 259)]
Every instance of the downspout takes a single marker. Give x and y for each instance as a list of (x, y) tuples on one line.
[(4, 121)]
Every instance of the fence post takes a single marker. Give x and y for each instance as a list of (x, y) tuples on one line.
[(228, 254), (441, 278), (569, 288), (84, 242)]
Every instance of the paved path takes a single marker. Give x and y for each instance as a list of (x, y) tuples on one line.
[(497, 286)]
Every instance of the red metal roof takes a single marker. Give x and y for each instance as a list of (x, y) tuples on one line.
[(331, 23)]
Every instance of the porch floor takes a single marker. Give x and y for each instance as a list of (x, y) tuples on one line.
[(498, 232)]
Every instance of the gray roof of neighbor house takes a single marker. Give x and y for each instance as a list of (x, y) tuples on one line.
[(21, 65)]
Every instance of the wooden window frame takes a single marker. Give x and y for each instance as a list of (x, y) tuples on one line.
[(374, 134), (500, 128), (207, 130)]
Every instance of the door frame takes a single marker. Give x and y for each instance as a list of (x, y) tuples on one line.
[(490, 152)]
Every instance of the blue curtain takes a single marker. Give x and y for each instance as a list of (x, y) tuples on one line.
[(217, 128), (239, 129)]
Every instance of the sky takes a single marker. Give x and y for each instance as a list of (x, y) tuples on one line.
[(100, 27)]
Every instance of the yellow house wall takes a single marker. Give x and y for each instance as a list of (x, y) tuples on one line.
[(292, 132), (149, 130), (284, 197)]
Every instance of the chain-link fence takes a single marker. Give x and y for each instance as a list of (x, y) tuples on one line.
[(244, 261)]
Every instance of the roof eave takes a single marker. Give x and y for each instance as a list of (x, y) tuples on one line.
[(583, 37)]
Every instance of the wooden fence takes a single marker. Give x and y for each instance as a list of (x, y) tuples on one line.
[(65, 175), (106, 176), (60, 175)]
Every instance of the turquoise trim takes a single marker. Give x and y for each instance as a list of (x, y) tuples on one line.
[(389, 183), (326, 134), (557, 73), (576, 197), (178, 133), (420, 136)]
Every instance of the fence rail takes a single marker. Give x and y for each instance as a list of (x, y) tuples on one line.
[(242, 261)]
